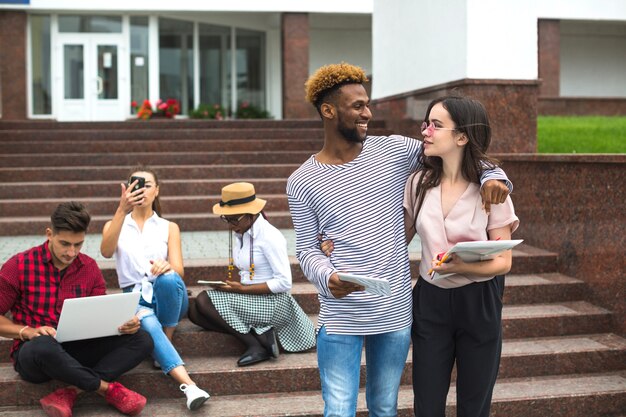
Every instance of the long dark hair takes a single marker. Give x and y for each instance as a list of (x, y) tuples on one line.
[(156, 204), (470, 118)]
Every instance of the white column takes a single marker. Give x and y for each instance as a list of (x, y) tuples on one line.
[(153, 60)]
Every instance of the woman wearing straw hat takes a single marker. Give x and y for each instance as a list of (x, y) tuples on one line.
[(256, 307)]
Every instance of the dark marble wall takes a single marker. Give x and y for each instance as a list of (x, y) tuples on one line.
[(581, 106), (295, 48), (574, 205), (13, 65), (549, 45), (511, 104)]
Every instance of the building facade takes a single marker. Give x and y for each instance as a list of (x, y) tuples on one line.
[(76, 60), (72, 60)]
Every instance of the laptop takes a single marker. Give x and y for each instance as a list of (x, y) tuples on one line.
[(98, 316)]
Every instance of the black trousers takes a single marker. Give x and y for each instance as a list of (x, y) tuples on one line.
[(82, 363), (463, 325)]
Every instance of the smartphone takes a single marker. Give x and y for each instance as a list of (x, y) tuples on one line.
[(141, 182)]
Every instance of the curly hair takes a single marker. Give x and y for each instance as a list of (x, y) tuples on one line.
[(330, 78)]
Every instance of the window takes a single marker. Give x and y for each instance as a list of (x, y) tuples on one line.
[(214, 65), (90, 24), (139, 59), (176, 62), (41, 98)]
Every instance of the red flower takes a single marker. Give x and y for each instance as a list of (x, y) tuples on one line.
[(133, 103)]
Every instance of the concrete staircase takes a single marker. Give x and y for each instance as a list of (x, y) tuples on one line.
[(560, 355)]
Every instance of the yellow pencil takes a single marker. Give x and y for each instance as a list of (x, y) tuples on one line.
[(444, 259)]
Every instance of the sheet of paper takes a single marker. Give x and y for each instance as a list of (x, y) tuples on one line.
[(372, 285), (478, 251), (211, 282)]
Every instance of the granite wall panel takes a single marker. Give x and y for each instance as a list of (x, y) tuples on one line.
[(582, 106), (295, 65), (511, 104), (549, 45), (574, 205), (13, 65)]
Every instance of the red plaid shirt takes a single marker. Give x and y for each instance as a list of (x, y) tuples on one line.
[(31, 286)]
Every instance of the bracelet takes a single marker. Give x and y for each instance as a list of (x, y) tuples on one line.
[(21, 331)]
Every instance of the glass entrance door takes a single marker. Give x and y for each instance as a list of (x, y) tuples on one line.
[(92, 86)]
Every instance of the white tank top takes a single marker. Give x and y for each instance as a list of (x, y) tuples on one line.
[(135, 250)]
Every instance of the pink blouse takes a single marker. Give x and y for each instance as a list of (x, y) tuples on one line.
[(466, 221)]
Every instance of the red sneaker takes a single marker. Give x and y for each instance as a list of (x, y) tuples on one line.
[(59, 403), (126, 401)]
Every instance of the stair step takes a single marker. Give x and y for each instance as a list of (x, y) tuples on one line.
[(103, 135), (154, 158), (169, 188), (33, 207), (116, 174), (183, 145), (551, 287), (557, 319), (15, 226), (568, 395), (163, 124)]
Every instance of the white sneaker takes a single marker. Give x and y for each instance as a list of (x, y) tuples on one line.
[(195, 396)]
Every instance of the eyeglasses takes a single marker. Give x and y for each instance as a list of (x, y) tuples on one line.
[(232, 219), (430, 128)]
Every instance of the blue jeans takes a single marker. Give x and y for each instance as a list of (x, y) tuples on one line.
[(169, 305), (339, 360)]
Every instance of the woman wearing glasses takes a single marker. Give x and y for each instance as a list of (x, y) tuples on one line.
[(148, 259), (255, 306), (456, 318)]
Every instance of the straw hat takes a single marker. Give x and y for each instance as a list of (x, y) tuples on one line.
[(239, 198)]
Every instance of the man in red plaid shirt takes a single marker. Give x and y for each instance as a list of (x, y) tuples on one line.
[(33, 286)]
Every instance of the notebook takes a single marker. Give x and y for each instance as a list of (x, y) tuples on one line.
[(477, 251), (376, 286), (98, 316)]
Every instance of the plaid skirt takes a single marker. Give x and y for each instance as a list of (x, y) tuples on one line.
[(243, 312)]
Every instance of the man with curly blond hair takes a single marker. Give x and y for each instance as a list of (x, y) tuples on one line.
[(351, 192)]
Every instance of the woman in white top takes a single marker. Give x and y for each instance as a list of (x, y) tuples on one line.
[(148, 259), (457, 318), (255, 307)]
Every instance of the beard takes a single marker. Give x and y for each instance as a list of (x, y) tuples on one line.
[(351, 134)]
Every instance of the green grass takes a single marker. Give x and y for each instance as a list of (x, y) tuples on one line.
[(581, 134)]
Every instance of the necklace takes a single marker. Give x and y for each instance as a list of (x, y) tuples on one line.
[(231, 263)]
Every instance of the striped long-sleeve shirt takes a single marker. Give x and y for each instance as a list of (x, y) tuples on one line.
[(359, 206)]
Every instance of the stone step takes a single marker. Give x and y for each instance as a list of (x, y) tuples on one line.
[(542, 286), (153, 158), (168, 188), (186, 145), (32, 207), (168, 124), (589, 395), (519, 321), (598, 394), (15, 226), (101, 135), (298, 372), (166, 172)]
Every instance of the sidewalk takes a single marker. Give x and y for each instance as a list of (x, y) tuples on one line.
[(196, 245)]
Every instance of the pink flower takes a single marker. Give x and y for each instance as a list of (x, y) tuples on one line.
[(216, 106), (162, 106), (245, 104)]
